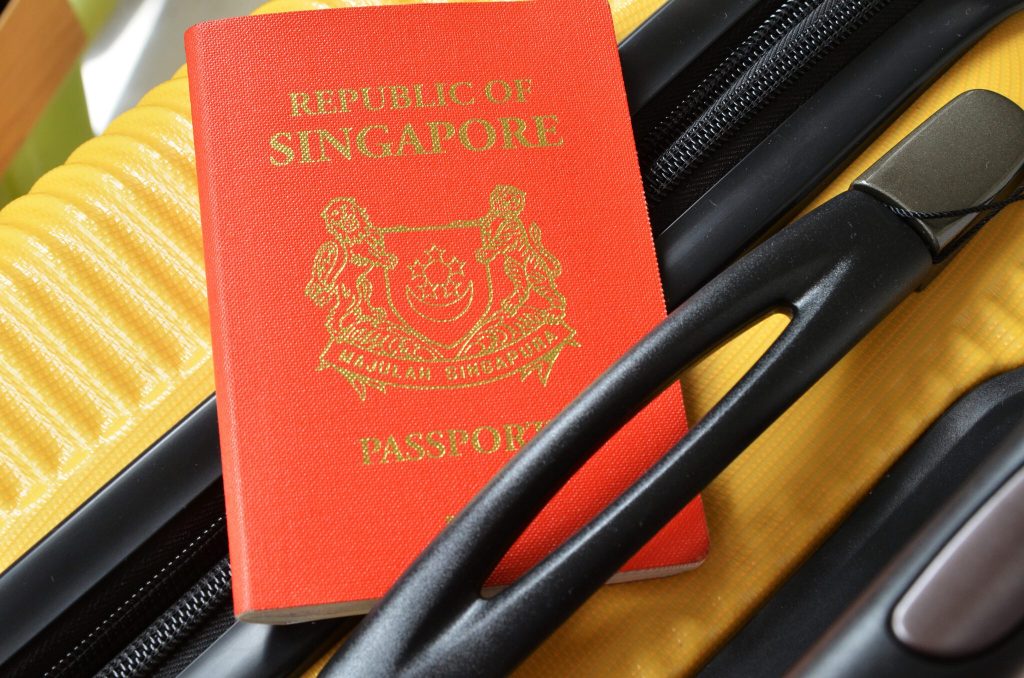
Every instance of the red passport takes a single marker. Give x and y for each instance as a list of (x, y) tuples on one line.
[(425, 233)]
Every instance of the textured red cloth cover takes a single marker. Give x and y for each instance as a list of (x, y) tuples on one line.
[(424, 233)]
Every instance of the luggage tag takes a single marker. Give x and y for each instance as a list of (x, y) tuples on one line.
[(836, 272)]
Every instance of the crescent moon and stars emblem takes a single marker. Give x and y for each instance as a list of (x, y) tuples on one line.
[(438, 291)]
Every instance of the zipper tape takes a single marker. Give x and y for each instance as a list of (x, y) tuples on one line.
[(793, 38)]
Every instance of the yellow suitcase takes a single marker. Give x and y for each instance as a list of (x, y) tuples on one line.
[(105, 346)]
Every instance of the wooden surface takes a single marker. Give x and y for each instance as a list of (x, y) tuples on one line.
[(39, 43)]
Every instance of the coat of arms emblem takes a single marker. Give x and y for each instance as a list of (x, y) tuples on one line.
[(455, 305)]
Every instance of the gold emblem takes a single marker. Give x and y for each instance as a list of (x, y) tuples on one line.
[(457, 305)]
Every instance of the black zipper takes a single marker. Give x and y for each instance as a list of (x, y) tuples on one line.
[(722, 104), (173, 626), (796, 35), (67, 663), (146, 607), (667, 130)]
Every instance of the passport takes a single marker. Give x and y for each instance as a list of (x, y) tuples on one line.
[(424, 233)]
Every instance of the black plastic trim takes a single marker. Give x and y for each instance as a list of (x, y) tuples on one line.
[(909, 494), (119, 518), (861, 643), (248, 650)]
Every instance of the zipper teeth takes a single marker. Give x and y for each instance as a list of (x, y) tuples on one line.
[(779, 64), (178, 621), (769, 32), (64, 663)]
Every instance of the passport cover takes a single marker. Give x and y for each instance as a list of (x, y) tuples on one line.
[(424, 233)]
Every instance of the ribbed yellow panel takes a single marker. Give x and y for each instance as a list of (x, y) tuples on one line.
[(104, 346), (104, 339), (628, 14)]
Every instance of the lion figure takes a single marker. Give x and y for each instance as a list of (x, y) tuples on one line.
[(357, 242), (528, 264)]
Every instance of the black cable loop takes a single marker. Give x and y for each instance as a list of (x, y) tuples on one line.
[(963, 212), (991, 207)]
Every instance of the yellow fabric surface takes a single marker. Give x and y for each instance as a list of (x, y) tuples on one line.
[(104, 345)]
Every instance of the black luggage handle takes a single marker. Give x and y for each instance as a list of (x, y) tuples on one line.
[(835, 285), (836, 272)]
